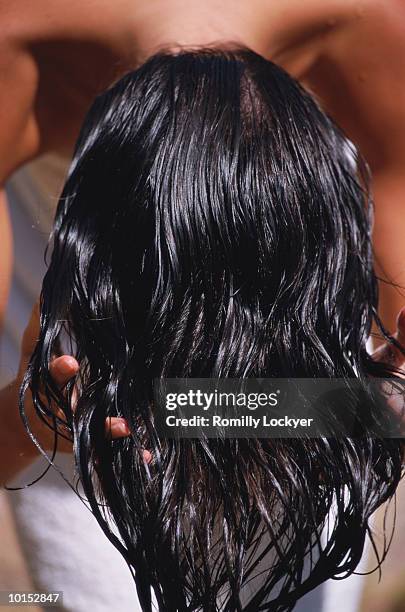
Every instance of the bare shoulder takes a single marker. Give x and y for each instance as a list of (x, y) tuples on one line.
[(18, 84), (53, 61), (359, 76)]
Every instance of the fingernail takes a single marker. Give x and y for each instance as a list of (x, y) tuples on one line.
[(65, 365), (120, 427), (70, 362), (147, 456)]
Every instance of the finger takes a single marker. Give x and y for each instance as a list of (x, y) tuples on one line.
[(396, 356), (400, 335), (147, 456), (62, 369), (117, 427), (388, 352)]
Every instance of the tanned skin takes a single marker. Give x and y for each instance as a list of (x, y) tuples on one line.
[(54, 58)]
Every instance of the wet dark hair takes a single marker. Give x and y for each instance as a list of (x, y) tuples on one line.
[(215, 223)]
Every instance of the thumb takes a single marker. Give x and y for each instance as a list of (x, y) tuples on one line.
[(400, 335), (388, 352)]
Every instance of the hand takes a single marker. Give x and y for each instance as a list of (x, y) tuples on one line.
[(62, 370), (390, 354)]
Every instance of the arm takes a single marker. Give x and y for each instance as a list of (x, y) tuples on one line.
[(18, 143), (19, 139), (360, 79), (38, 115), (20, 136), (5, 254), (17, 450)]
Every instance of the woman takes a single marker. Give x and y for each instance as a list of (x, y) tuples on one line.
[(313, 55), (215, 223)]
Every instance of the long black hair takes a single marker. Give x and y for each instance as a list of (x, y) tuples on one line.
[(215, 223)]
